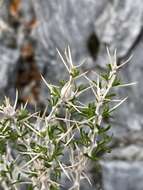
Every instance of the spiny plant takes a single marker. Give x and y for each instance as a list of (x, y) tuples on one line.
[(37, 151)]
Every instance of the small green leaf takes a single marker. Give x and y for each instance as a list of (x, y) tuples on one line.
[(89, 111), (116, 82), (109, 67), (75, 72), (23, 113), (2, 146)]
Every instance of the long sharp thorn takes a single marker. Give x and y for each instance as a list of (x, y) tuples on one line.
[(125, 62), (63, 60), (16, 99), (112, 109)]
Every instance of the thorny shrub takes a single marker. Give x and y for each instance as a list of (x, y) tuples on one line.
[(33, 147)]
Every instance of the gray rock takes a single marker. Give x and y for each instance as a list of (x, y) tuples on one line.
[(119, 24), (123, 175), (130, 153), (8, 60)]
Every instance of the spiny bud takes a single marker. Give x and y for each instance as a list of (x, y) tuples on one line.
[(67, 92), (9, 111)]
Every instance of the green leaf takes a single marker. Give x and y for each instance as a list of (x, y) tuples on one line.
[(92, 157), (116, 82), (106, 113), (21, 147), (75, 72), (110, 95), (109, 67), (103, 129), (47, 164), (55, 92), (81, 87), (22, 114), (84, 138), (105, 76), (54, 100), (2, 146), (30, 187), (53, 187), (58, 150), (89, 111), (62, 82)]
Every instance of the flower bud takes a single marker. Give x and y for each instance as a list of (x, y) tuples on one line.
[(67, 92), (9, 111)]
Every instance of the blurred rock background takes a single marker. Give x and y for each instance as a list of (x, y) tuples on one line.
[(30, 32)]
